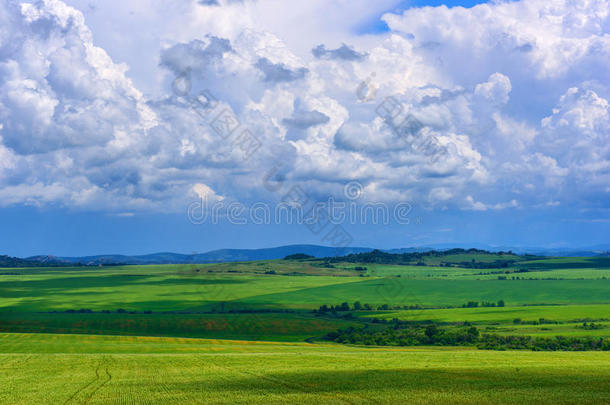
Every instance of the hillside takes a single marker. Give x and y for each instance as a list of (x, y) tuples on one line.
[(432, 254), (39, 261), (471, 258)]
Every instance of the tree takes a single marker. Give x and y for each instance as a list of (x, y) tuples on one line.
[(343, 307), (501, 303), (431, 331), (357, 306)]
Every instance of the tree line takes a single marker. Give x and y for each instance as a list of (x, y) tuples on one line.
[(380, 257), (358, 306), (467, 335)]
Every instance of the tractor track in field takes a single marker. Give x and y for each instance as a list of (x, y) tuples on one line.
[(84, 387), (109, 378), (102, 362), (293, 386)]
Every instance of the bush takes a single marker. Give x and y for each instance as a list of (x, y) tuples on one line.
[(299, 256), (401, 334)]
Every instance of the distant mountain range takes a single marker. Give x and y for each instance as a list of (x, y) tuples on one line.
[(236, 255), (214, 256)]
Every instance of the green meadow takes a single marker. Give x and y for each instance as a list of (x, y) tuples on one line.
[(179, 288), (70, 369), (564, 313), (252, 332)]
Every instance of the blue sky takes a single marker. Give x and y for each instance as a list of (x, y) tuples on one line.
[(491, 123), (377, 26)]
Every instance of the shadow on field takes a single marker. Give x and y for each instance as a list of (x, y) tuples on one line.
[(35, 288), (535, 385), (39, 287)]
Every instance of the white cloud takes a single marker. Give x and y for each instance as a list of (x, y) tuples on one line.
[(513, 96), (495, 91)]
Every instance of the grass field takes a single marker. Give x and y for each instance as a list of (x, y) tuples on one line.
[(28, 295), (568, 318), (246, 333), (170, 288), (102, 369), (260, 326), (562, 313)]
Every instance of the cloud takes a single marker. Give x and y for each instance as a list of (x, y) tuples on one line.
[(279, 72), (512, 96), (344, 52), (577, 137), (195, 55), (495, 90), (217, 2), (57, 89), (525, 35), (206, 193), (306, 119), (581, 118)]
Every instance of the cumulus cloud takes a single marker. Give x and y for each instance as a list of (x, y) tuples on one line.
[(344, 52), (57, 89), (196, 55), (577, 137), (279, 72), (306, 119), (499, 106), (495, 90)]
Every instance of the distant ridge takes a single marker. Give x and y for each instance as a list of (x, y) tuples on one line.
[(236, 255), (36, 261), (215, 256)]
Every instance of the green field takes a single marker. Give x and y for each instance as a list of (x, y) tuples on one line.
[(171, 288), (563, 313), (259, 326), (101, 369), (248, 333)]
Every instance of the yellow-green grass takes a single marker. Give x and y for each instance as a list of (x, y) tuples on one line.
[(486, 315), (101, 369)]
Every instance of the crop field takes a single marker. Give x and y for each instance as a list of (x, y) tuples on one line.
[(102, 369), (179, 288), (564, 313), (254, 332), (260, 326), (540, 320)]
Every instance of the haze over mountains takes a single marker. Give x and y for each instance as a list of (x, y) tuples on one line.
[(236, 255)]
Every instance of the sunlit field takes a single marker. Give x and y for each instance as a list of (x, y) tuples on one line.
[(233, 332), (100, 369)]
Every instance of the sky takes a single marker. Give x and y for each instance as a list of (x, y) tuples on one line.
[(143, 126)]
